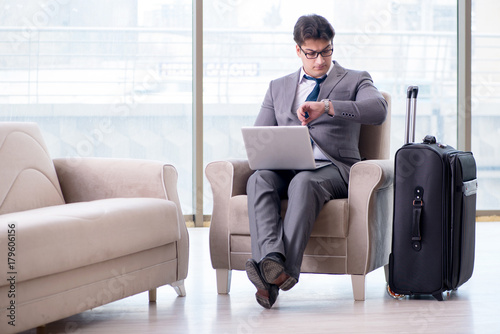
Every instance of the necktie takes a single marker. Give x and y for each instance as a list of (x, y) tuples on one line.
[(313, 96)]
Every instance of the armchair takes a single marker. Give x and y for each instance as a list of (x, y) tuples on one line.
[(350, 236)]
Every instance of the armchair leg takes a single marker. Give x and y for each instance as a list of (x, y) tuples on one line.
[(179, 288), (152, 296), (386, 271), (223, 280), (358, 287)]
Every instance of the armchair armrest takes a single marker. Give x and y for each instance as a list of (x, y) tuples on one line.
[(227, 179), (370, 215)]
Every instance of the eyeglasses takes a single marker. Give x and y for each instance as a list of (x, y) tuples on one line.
[(314, 54)]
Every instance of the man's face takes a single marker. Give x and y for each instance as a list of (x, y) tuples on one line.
[(319, 66)]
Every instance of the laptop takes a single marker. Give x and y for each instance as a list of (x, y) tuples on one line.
[(280, 147)]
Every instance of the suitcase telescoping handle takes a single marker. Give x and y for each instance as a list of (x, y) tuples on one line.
[(411, 109)]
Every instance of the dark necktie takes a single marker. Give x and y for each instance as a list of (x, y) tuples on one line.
[(313, 96)]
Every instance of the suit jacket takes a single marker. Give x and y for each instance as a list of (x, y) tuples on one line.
[(355, 101)]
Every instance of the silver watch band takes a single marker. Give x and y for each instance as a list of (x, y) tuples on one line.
[(327, 105)]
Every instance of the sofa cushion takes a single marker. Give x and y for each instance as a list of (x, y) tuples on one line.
[(29, 179), (64, 237), (331, 222)]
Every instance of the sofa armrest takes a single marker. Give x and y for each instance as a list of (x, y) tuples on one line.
[(88, 179), (227, 179), (370, 215)]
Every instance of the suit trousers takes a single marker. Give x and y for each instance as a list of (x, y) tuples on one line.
[(307, 192)]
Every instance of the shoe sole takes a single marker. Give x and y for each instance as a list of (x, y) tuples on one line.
[(271, 270), (288, 284), (252, 270), (263, 301)]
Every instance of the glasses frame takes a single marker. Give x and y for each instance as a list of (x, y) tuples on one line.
[(309, 54)]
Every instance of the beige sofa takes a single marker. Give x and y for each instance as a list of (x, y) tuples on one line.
[(351, 236), (79, 233)]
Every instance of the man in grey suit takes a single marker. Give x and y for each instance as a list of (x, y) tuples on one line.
[(332, 102)]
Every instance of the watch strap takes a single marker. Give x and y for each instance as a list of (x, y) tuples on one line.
[(327, 105)]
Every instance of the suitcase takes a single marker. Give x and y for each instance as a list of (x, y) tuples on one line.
[(433, 237)]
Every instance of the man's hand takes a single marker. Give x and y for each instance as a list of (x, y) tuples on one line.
[(309, 111)]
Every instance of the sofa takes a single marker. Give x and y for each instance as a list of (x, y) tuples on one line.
[(77, 233)]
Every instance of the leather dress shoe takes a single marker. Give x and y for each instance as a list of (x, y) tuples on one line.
[(272, 269), (266, 294)]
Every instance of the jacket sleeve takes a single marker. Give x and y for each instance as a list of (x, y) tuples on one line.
[(267, 116), (368, 105)]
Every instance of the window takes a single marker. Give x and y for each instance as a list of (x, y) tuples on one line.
[(102, 78), (247, 44), (114, 78), (485, 102)]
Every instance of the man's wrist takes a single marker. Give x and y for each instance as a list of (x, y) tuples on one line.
[(327, 106)]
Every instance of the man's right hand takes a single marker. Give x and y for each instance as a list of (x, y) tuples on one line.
[(309, 111)]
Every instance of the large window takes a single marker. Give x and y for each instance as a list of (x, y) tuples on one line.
[(102, 78), (485, 102), (114, 78)]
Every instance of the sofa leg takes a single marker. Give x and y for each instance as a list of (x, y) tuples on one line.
[(223, 280), (358, 287), (179, 288), (152, 296), (40, 329)]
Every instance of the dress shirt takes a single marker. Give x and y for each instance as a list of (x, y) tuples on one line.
[(304, 87)]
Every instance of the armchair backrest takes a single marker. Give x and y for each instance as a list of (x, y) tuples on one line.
[(28, 179), (374, 140)]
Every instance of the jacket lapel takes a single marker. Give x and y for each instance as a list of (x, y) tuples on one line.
[(289, 91), (336, 74)]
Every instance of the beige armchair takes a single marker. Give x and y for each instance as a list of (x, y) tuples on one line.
[(351, 236)]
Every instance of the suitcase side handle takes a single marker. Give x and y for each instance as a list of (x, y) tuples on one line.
[(418, 203)]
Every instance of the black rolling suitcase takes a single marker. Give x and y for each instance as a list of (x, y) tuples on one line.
[(434, 215)]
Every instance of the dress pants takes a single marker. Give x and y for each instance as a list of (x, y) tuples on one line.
[(307, 192)]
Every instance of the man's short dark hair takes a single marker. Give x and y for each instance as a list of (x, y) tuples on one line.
[(312, 27)]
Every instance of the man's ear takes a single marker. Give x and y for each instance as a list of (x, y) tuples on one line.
[(297, 48)]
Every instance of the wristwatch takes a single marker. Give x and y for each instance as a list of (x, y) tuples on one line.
[(327, 105)]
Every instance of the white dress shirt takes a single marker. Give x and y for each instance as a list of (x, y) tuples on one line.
[(304, 88)]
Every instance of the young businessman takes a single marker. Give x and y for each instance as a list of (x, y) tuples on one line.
[(332, 102)]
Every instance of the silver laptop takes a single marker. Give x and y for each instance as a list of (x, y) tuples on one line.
[(280, 147)]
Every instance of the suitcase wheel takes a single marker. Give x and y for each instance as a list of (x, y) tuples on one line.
[(393, 294)]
